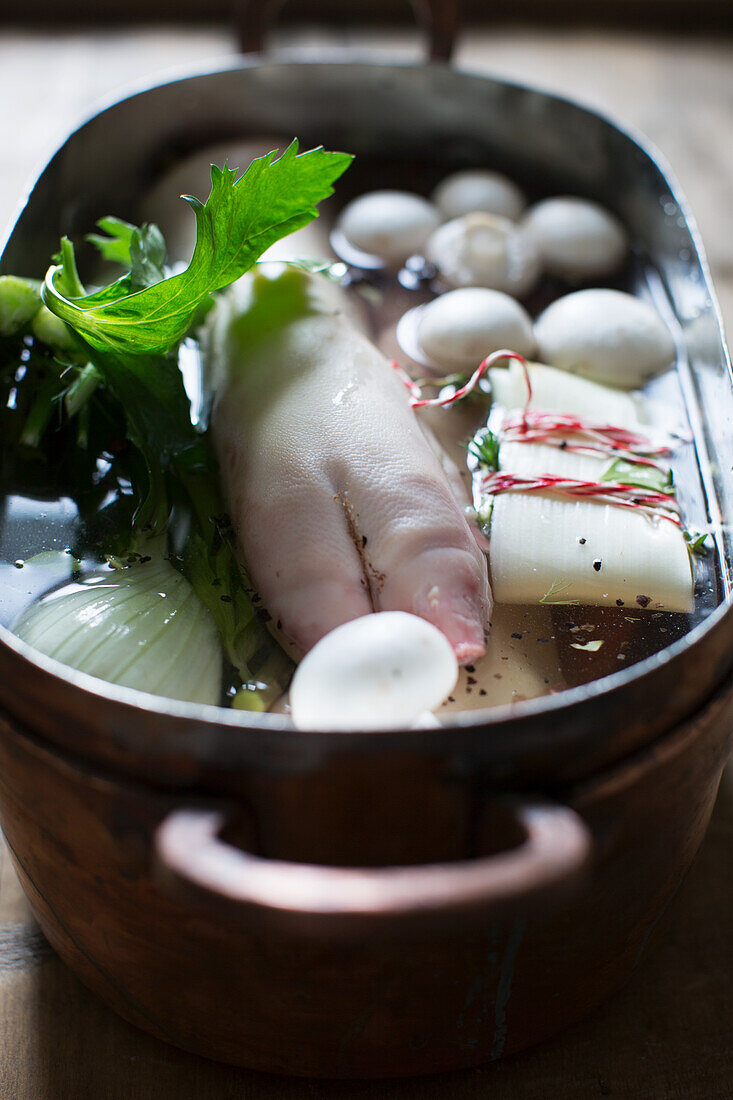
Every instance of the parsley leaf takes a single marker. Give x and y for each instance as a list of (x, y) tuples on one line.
[(240, 219)]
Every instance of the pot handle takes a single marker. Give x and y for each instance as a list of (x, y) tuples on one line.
[(439, 19), (556, 847)]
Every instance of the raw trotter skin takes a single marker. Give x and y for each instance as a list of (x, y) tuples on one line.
[(340, 505)]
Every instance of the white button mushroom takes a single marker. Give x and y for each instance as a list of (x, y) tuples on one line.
[(605, 335), (459, 329), (478, 189), (386, 226), (577, 239), (485, 250), (382, 671)]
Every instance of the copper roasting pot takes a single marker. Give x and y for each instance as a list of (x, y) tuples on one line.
[(385, 903)]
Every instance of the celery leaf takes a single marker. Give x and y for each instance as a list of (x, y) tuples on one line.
[(115, 244), (140, 249), (240, 219)]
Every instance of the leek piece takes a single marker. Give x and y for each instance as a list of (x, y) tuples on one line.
[(141, 626), (600, 553), (555, 390), (591, 552)]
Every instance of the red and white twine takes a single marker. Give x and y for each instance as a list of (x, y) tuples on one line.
[(605, 492), (419, 402), (553, 429)]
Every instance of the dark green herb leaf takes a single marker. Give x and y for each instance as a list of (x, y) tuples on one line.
[(150, 390)]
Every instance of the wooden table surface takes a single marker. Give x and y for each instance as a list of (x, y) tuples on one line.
[(669, 1035)]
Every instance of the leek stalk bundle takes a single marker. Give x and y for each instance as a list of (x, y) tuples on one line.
[(550, 547)]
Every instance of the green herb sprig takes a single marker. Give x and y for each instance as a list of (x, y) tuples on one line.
[(555, 589), (697, 543)]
